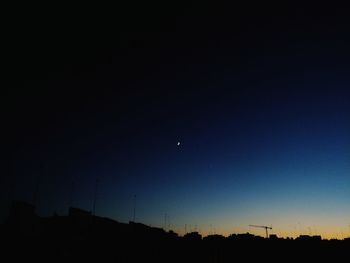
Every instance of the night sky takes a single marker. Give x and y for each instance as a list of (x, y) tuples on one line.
[(257, 96)]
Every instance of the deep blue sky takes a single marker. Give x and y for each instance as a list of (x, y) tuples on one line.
[(259, 101)]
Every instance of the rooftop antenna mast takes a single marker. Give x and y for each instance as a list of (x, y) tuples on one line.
[(36, 191), (71, 194), (95, 196), (266, 229), (134, 215)]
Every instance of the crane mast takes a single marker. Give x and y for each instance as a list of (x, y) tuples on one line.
[(266, 229)]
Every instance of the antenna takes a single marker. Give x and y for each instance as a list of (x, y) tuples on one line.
[(36, 191), (134, 215), (165, 217), (71, 194), (13, 190), (95, 195)]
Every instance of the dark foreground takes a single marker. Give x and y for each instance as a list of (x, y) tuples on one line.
[(82, 237)]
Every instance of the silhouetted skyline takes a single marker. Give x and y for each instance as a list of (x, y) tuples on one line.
[(82, 236), (217, 117)]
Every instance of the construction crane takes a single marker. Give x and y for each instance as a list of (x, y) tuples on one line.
[(266, 229)]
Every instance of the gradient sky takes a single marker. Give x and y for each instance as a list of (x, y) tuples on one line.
[(259, 100)]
